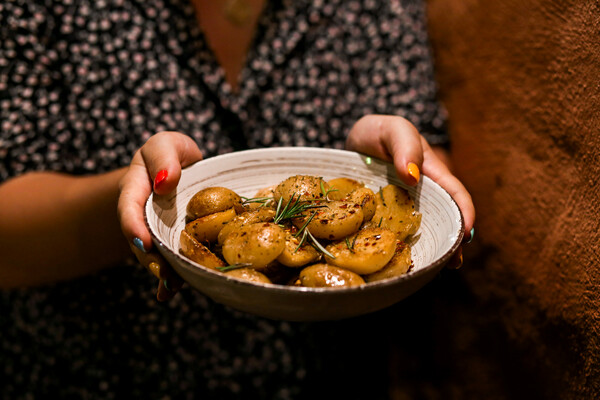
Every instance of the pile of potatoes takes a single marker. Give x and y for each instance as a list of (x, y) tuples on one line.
[(304, 232)]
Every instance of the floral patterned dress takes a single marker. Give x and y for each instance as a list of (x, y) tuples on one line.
[(84, 83)]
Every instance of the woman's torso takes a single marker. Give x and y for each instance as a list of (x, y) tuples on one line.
[(85, 83)]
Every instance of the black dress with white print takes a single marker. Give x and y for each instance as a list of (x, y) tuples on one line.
[(84, 83)]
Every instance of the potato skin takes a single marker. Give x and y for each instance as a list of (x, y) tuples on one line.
[(256, 244), (398, 265), (248, 274), (306, 186), (365, 197), (396, 211), (245, 218), (324, 275), (343, 187), (335, 220), (197, 252), (211, 200), (294, 256), (370, 251), (207, 228)]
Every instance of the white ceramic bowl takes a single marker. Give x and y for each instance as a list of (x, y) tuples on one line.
[(245, 172)]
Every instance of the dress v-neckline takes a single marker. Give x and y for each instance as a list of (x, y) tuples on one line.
[(279, 29)]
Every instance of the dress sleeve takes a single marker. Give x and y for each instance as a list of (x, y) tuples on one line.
[(30, 90)]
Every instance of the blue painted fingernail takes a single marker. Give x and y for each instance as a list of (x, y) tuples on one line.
[(472, 234), (137, 242), (166, 286)]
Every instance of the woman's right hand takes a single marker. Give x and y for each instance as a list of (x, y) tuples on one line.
[(156, 166)]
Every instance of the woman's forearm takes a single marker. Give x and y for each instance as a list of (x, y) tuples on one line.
[(55, 227)]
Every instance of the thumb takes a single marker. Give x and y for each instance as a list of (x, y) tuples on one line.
[(389, 138), (164, 155)]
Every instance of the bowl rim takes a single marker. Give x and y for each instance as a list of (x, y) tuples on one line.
[(369, 286)]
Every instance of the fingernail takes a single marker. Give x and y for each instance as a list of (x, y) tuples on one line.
[(413, 171), (154, 268), (137, 242), (166, 285), (160, 178), (471, 235)]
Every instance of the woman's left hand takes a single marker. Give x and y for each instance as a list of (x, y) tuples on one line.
[(396, 140)]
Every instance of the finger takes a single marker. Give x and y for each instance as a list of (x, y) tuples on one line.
[(164, 291), (135, 189), (159, 267), (456, 261), (434, 168), (390, 138), (169, 283), (167, 152), (164, 155)]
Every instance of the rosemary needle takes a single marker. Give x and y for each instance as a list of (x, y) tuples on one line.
[(318, 245), (234, 266), (262, 200)]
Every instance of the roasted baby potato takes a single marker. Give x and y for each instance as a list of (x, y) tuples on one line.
[(197, 252), (207, 228), (294, 255), (324, 275), (212, 200), (398, 265), (248, 274), (341, 187), (364, 253), (256, 244), (248, 217), (332, 220), (365, 197), (304, 187), (396, 211), (303, 231)]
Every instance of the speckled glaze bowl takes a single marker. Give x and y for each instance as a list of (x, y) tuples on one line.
[(245, 172)]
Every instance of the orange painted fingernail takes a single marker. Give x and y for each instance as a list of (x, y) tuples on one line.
[(160, 178), (413, 171)]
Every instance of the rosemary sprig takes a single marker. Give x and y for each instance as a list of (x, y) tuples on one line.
[(292, 209), (305, 224), (302, 240), (326, 192), (306, 234), (234, 266), (302, 231), (263, 200)]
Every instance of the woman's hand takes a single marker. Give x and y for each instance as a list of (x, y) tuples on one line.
[(155, 166), (394, 139)]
